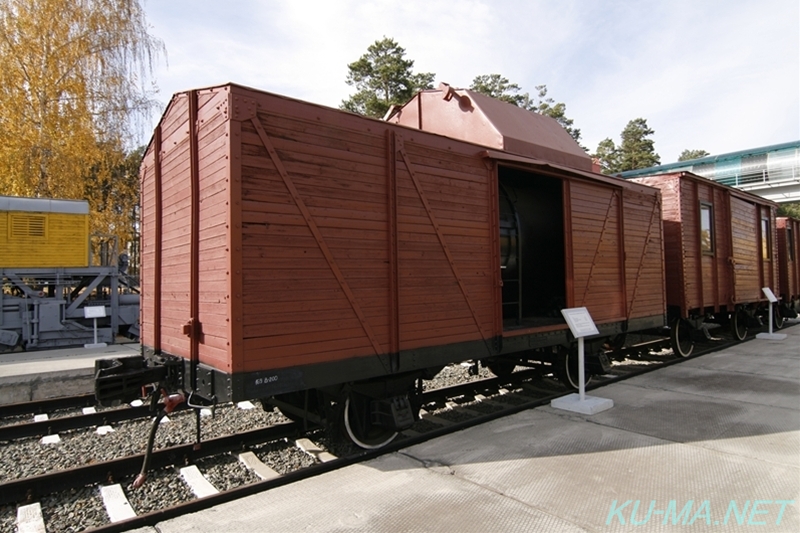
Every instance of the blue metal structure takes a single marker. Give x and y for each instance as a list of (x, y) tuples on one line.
[(772, 172)]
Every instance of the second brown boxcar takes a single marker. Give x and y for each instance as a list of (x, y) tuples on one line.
[(719, 248), (789, 265), (327, 261)]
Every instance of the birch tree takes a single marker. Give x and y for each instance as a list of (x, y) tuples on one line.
[(73, 82)]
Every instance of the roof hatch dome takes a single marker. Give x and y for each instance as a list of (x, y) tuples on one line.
[(474, 117)]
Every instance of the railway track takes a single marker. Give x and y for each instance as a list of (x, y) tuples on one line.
[(104, 484)]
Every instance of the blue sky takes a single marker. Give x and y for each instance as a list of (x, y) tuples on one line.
[(706, 74)]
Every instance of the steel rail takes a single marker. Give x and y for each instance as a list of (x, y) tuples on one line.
[(49, 405), (33, 488), (67, 423)]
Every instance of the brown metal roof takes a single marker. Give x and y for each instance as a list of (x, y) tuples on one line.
[(477, 118)]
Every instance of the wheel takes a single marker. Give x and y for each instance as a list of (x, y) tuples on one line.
[(500, 367), (739, 324), (567, 369), (359, 428), (680, 337), (777, 316)]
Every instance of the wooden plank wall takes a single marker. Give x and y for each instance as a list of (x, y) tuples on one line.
[(644, 268), (295, 309), (788, 268), (215, 248), (746, 253), (692, 256), (175, 216), (173, 161), (671, 214), (597, 269), (148, 247), (710, 275), (432, 305), (735, 272), (723, 249), (769, 266)]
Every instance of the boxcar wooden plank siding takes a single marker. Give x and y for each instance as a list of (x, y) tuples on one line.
[(294, 238), (597, 270), (333, 336), (734, 271), (788, 239), (643, 255)]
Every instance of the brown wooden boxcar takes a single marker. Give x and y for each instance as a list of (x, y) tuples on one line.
[(289, 247), (788, 265), (719, 247)]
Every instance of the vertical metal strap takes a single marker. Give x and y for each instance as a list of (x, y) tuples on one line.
[(316, 233), (569, 258), (158, 238), (599, 244), (493, 183), (715, 256), (732, 256), (698, 228), (440, 236), (194, 259), (394, 256)]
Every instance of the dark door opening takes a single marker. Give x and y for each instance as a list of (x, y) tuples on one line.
[(531, 248)]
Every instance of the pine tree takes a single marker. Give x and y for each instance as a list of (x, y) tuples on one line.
[(383, 78)]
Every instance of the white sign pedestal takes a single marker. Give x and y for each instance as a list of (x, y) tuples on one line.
[(581, 325), (590, 405), (772, 301), (95, 313)]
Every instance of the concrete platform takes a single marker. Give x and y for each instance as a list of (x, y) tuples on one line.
[(38, 375), (712, 444)]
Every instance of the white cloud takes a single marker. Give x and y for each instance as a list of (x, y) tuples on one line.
[(718, 75)]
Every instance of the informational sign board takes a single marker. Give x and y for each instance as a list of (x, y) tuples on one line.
[(97, 311), (769, 294), (581, 325), (580, 322)]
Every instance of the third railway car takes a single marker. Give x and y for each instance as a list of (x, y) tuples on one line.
[(326, 261), (719, 248), (789, 265)]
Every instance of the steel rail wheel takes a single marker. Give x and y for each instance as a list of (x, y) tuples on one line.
[(358, 426), (739, 324), (680, 337), (777, 316), (567, 369)]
